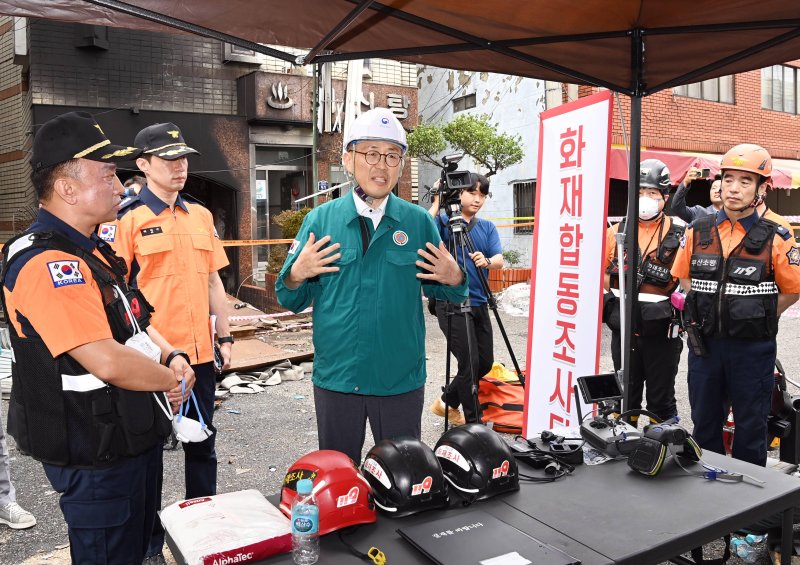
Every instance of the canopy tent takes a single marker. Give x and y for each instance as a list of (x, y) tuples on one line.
[(635, 47)]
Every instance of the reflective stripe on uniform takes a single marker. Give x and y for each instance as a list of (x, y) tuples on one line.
[(768, 287), (81, 383), (704, 286)]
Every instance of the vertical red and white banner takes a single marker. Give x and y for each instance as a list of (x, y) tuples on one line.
[(568, 250)]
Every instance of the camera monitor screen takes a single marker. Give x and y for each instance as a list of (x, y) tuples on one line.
[(595, 388)]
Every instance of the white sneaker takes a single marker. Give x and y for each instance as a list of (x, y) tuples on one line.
[(16, 517)]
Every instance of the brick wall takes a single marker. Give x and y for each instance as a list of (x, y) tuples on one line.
[(153, 71), (688, 124), (15, 138)]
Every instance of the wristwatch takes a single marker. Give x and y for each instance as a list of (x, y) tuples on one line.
[(226, 339), (177, 353)]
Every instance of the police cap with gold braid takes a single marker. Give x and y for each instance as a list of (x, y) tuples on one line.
[(163, 140), (75, 135)]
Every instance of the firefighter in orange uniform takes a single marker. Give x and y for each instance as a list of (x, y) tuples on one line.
[(655, 351), (81, 367), (173, 254), (741, 272)]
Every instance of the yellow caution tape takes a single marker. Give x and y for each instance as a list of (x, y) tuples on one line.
[(249, 242)]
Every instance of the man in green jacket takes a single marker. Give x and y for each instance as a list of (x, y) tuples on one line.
[(362, 260)]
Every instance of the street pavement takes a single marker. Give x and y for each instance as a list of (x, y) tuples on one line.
[(261, 435)]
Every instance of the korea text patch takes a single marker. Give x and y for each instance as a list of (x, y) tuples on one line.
[(65, 273)]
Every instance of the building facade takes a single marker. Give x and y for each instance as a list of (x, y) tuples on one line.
[(251, 117), (689, 125), (513, 105)]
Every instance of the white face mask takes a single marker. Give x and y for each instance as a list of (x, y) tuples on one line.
[(648, 208), (186, 429)]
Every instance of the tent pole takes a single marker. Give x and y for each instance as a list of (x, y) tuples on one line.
[(631, 242)]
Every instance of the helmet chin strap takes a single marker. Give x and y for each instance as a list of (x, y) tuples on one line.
[(363, 195)]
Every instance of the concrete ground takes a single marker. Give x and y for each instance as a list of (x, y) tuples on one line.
[(261, 435)]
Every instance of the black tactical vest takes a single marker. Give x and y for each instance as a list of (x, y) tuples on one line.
[(654, 277), (56, 422), (735, 296)]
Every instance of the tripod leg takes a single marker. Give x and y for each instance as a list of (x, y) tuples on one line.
[(493, 306)]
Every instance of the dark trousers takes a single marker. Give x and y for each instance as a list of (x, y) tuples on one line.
[(110, 512), (461, 391), (654, 360), (342, 417), (200, 468), (737, 373), (201, 458)]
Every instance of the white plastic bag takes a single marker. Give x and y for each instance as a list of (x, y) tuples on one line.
[(515, 300), (236, 527)]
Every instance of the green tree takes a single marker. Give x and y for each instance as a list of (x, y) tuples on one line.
[(426, 142), (474, 135)]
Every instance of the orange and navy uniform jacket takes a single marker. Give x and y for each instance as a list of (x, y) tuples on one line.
[(778, 219), (785, 255), (737, 275), (42, 278), (648, 239), (170, 256), (59, 412)]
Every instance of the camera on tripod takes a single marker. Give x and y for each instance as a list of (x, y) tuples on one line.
[(452, 183)]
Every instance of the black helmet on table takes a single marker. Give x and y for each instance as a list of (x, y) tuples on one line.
[(405, 477), (477, 462)]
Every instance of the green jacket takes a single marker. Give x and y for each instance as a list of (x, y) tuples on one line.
[(369, 331)]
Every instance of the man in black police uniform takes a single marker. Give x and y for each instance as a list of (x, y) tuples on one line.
[(79, 403)]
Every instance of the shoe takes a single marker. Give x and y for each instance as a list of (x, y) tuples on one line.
[(155, 560), (16, 517), (454, 415)]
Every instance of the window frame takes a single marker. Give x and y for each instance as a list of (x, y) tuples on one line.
[(775, 97), (468, 101), (702, 90), (524, 211)]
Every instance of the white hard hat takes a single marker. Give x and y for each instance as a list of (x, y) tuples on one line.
[(378, 124)]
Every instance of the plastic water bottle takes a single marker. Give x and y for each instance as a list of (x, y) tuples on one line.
[(743, 550), (305, 524)]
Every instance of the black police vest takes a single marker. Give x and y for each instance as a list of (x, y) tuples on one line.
[(52, 416), (735, 296)]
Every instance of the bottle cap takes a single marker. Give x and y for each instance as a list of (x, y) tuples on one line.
[(305, 486)]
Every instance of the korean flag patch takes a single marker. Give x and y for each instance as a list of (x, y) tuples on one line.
[(107, 232), (293, 247), (65, 273)]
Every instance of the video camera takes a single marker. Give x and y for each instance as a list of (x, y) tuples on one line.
[(452, 183)]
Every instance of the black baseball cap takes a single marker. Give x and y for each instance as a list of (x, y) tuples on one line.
[(163, 140), (75, 135)]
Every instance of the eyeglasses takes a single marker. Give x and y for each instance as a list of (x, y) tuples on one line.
[(374, 157)]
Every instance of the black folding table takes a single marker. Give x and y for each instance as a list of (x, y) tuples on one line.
[(604, 514)]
